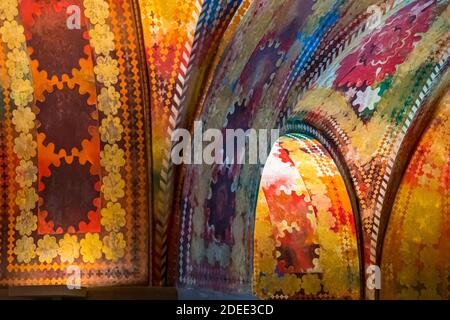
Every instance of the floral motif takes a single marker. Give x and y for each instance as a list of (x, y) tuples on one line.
[(26, 173), (91, 248), (383, 50), (114, 246), (112, 158), (102, 39), (47, 249), (8, 9), (25, 249), (113, 187), (26, 223), (23, 119), (69, 248), (25, 146), (96, 10), (26, 199), (113, 217), (12, 34), (366, 99), (17, 64), (22, 92), (111, 130), (109, 101), (107, 70), (311, 284)]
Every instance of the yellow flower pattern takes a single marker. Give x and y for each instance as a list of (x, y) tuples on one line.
[(23, 119), (8, 9), (25, 249), (311, 284), (102, 39), (25, 146), (26, 199), (69, 248), (109, 101), (113, 217), (17, 64), (22, 92), (12, 34), (96, 11), (107, 70), (91, 248), (26, 173), (113, 187), (111, 130), (112, 158), (47, 249), (114, 246), (26, 223)]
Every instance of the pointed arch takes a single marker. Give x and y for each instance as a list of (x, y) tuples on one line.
[(305, 238)]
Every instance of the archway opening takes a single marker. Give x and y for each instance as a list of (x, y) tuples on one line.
[(305, 239)]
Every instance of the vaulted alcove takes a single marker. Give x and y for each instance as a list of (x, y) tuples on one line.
[(305, 238)]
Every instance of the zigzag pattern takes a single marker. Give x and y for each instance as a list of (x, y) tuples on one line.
[(363, 81), (172, 98), (110, 245), (201, 26)]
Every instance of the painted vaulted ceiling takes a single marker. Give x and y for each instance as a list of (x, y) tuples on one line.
[(356, 186)]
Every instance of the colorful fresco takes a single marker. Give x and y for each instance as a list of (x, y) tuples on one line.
[(74, 185), (416, 254), (244, 91), (92, 91), (305, 243), (181, 40), (374, 117), (365, 75)]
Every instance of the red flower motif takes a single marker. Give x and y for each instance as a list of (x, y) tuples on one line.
[(296, 252), (283, 155), (385, 48), (297, 247)]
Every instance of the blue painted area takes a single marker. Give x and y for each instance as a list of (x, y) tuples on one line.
[(312, 42)]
